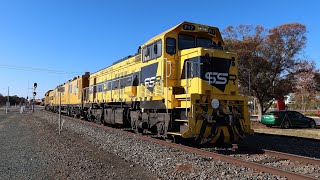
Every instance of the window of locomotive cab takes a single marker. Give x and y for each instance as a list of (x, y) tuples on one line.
[(156, 49), (146, 54), (171, 45), (185, 41), (204, 42), (152, 51)]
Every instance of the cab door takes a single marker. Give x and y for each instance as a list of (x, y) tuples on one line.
[(170, 63)]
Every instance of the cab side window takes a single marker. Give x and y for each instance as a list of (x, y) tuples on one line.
[(171, 45), (152, 51)]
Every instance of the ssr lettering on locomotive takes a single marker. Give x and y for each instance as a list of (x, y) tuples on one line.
[(217, 78), (180, 83)]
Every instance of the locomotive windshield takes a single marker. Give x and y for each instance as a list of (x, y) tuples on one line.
[(204, 42), (189, 41), (186, 42)]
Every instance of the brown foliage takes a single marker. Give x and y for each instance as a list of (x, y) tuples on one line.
[(269, 55), (305, 90)]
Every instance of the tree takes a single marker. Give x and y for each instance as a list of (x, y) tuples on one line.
[(270, 56), (305, 83), (316, 79)]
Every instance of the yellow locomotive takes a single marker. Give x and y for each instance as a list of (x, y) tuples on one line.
[(180, 83), (69, 95), (48, 100)]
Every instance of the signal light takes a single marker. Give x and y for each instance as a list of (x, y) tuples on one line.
[(34, 93), (35, 85)]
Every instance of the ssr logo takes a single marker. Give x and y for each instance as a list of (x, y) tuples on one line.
[(150, 82), (217, 78)]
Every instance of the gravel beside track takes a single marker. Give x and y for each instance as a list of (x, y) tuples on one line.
[(30, 148), (163, 162)]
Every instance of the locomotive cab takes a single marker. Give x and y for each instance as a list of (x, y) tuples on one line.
[(207, 105)]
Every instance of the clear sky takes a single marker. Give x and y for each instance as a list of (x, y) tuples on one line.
[(51, 41)]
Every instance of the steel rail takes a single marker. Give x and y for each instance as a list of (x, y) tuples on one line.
[(225, 158), (303, 159)]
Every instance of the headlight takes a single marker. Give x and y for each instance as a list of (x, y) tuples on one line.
[(215, 103)]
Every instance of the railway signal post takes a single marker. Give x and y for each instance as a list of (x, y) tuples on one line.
[(34, 95)]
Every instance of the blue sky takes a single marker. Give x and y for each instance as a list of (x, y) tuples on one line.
[(75, 36)]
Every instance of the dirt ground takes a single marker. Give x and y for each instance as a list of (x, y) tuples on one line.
[(298, 132)]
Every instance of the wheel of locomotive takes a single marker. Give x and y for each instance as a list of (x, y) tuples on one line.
[(135, 126), (161, 128), (88, 116), (77, 116), (70, 112), (97, 119)]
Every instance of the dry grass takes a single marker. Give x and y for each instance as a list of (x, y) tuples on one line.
[(306, 133)]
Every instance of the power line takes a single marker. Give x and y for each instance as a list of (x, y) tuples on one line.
[(33, 69)]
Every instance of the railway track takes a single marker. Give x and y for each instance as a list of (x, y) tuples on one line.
[(306, 166), (264, 164)]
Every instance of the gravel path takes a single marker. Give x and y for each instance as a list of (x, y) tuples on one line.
[(20, 155), (30, 148), (163, 162)]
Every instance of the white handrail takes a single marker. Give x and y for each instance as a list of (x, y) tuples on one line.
[(167, 86), (187, 87), (169, 62)]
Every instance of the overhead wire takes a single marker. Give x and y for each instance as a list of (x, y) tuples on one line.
[(34, 69)]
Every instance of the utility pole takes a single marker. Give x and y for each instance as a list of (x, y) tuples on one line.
[(7, 103), (34, 95), (60, 90)]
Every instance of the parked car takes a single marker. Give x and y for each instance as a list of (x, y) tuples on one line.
[(287, 119)]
